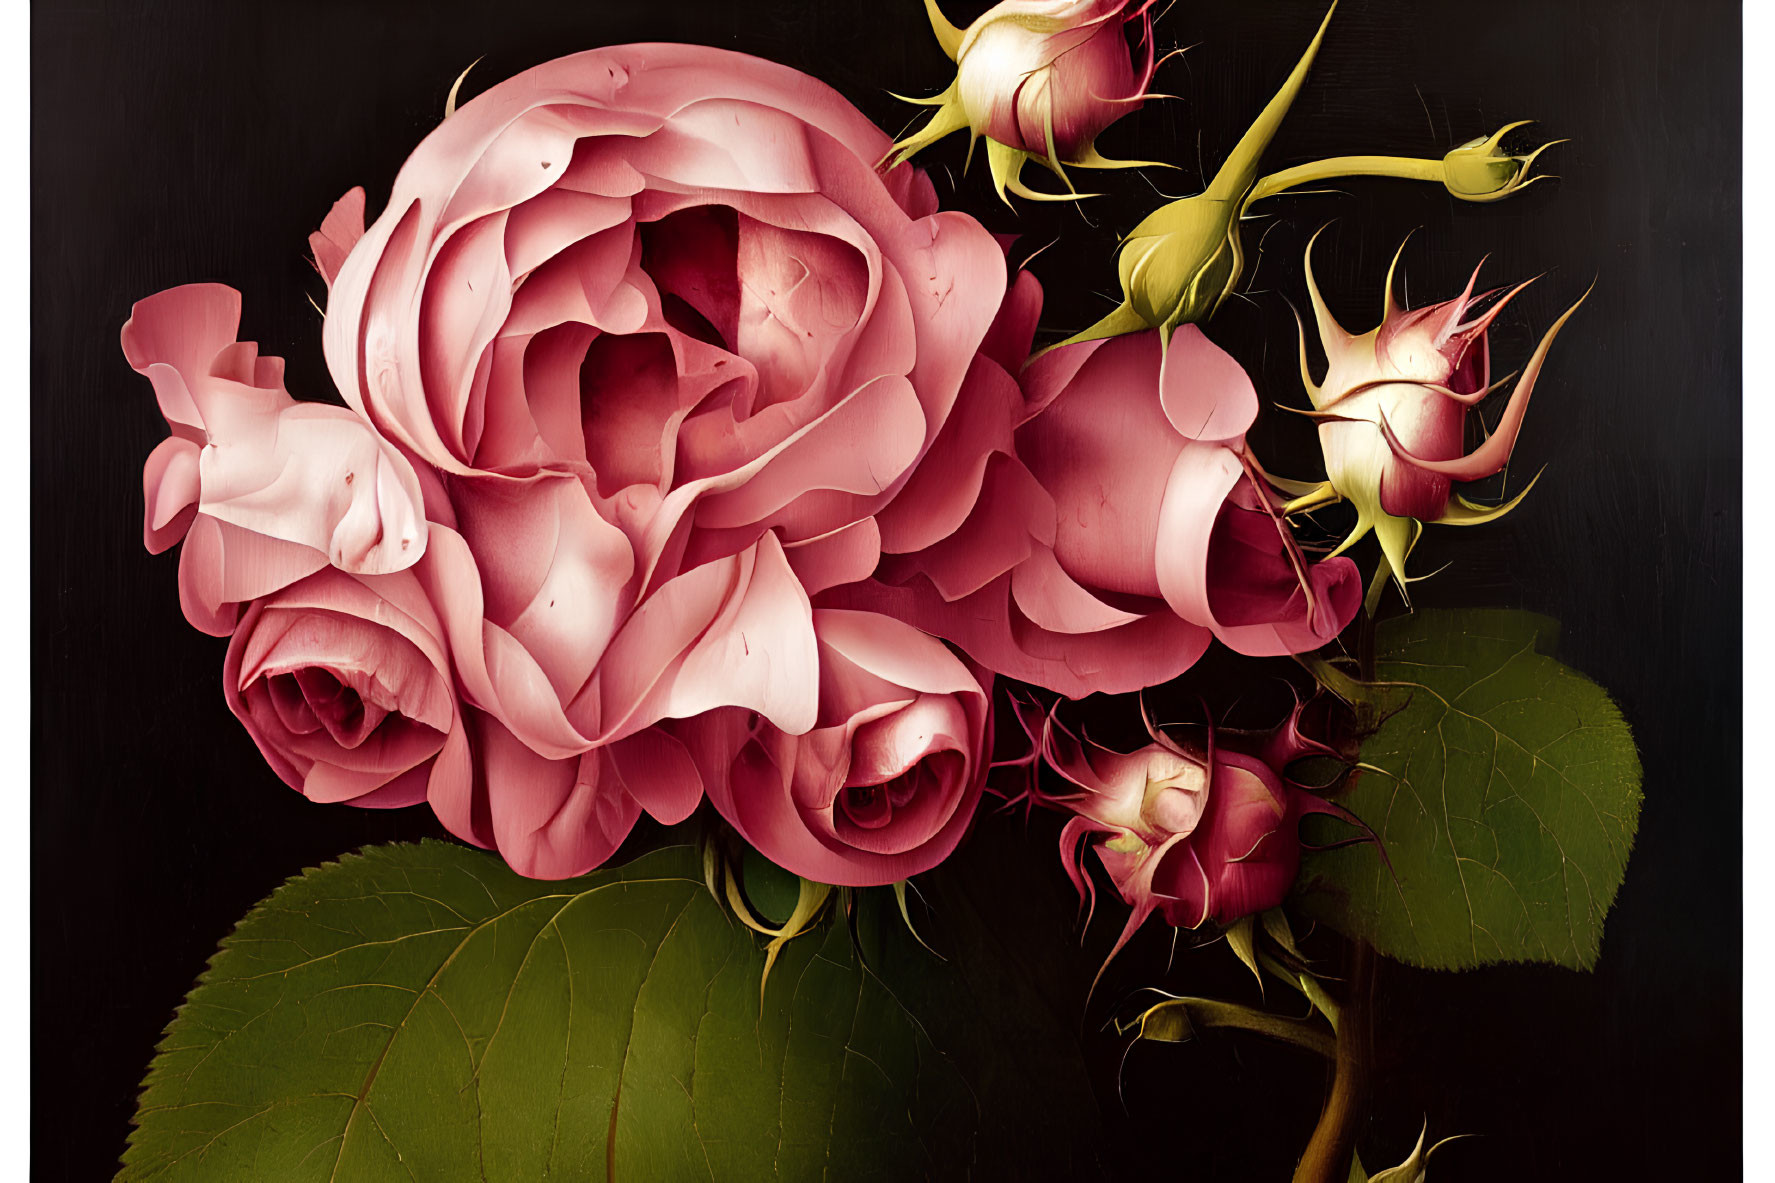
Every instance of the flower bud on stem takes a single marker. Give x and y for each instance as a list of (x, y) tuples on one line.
[(1479, 170)]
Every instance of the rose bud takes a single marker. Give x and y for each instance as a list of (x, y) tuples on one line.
[(1183, 259), (1198, 833), (885, 783), (1039, 79), (344, 684), (262, 489), (1392, 412), (1480, 170)]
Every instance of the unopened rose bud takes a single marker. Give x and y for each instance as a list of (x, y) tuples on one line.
[(1480, 170), (1183, 259), (1392, 411), (1039, 80)]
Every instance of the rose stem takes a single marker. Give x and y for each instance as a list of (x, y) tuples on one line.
[(1327, 1157), (1328, 1152)]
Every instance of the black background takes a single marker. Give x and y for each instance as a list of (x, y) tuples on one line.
[(202, 141)]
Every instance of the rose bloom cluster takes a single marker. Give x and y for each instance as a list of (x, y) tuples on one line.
[(687, 455)]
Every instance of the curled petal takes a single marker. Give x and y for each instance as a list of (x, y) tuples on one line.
[(1237, 570)]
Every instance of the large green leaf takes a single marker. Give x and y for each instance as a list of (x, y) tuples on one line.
[(1506, 801), (421, 1011)]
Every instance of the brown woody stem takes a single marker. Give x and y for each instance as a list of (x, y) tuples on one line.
[(1327, 1156), (1328, 1153)]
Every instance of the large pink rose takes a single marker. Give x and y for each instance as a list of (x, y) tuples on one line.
[(885, 783), (1120, 527), (672, 348)]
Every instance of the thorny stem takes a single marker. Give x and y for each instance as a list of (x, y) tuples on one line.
[(1328, 1152)]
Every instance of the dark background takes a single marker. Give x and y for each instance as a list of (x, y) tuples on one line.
[(202, 141)]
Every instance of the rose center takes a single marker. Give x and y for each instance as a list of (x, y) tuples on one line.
[(872, 806), (313, 698)]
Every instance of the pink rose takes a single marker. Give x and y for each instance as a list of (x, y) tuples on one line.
[(673, 348), (1120, 528), (344, 684), (262, 489), (1197, 833), (641, 354), (885, 783), (1040, 79), (1393, 408)]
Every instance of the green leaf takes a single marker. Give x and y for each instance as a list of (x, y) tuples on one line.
[(1506, 794), (421, 1011)]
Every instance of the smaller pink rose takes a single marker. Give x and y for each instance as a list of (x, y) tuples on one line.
[(1119, 525), (344, 685), (884, 785)]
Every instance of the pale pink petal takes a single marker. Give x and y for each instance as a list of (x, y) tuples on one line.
[(759, 652), (498, 674), (893, 651), (1052, 600), (554, 572), (315, 475), (1228, 563)]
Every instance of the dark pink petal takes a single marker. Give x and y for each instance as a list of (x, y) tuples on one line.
[(733, 633), (1229, 563), (846, 555), (338, 233), (658, 773), (551, 819)]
